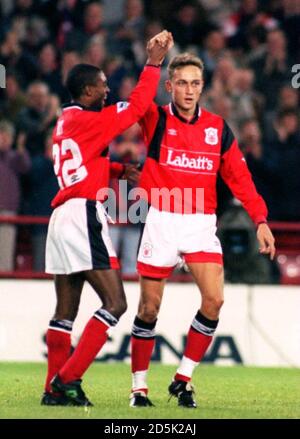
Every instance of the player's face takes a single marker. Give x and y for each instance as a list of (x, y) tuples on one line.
[(186, 87), (99, 92)]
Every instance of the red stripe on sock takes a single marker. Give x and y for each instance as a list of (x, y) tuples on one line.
[(196, 345), (140, 390), (141, 351), (92, 339), (59, 349), (179, 377)]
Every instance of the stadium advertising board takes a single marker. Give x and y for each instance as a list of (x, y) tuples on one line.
[(253, 327)]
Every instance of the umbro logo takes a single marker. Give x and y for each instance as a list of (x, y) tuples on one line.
[(172, 132)]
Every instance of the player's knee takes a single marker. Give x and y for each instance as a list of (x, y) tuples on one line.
[(117, 309), (148, 312), (218, 303), (122, 307), (214, 303)]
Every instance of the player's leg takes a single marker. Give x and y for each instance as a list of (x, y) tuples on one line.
[(108, 286), (143, 337), (209, 279), (157, 256), (58, 338)]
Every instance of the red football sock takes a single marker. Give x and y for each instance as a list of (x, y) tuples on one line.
[(196, 345), (59, 349), (199, 338), (142, 345), (141, 351), (93, 338)]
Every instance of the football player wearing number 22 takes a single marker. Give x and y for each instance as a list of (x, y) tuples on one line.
[(78, 244)]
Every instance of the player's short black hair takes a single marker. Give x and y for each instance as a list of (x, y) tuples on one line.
[(79, 77)]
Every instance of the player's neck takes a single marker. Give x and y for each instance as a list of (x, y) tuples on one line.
[(84, 102), (187, 114)]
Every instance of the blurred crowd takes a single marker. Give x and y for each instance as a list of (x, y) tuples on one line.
[(248, 48)]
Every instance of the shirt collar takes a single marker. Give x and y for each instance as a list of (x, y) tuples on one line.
[(197, 114), (72, 105)]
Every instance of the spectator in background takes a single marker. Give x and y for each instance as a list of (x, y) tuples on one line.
[(113, 11), (288, 13), (67, 17), (49, 68), (13, 98), (286, 157), (13, 163), (77, 38), (263, 172), (95, 51), (36, 35), (130, 29), (288, 99), (272, 69), (13, 57), (23, 8), (249, 15), (223, 79), (38, 116), (133, 23), (116, 71), (69, 59), (126, 87), (256, 39), (189, 24), (42, 187), (247, 103), (129, 148), (158, 10), (214, 47)]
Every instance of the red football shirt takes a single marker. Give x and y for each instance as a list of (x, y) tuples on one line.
[(81, 138), (187, 157)]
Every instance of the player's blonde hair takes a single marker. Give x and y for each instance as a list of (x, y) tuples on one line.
[(182, 60)]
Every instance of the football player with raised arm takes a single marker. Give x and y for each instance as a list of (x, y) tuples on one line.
[(187, 148)]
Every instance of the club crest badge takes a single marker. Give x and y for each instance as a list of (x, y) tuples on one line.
[(211, 136), (147, 250)]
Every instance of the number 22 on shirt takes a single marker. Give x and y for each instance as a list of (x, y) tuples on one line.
[(68, 170)]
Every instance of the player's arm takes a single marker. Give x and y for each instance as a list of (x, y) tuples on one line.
[(235, 173), (148, 123), (117, 118)]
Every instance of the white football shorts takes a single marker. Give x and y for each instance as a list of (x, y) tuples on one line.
[(78, 238), (168, 237)]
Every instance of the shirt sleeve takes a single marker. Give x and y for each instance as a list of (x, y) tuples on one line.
[(235, 173), (148, 123), (115, 119)]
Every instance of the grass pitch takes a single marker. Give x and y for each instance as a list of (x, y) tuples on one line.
[(221, 393)]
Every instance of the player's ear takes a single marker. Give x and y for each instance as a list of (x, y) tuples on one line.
[(88, 91), (168, 86)]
